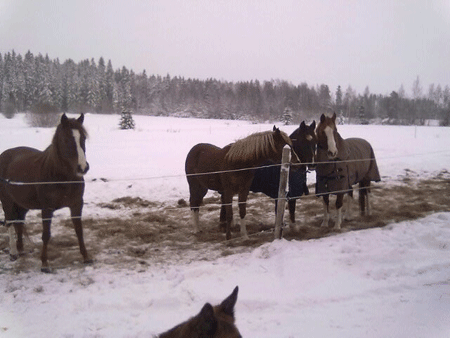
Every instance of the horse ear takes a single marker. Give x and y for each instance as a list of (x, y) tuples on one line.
[(81, 118), (313, 125), (302, 125), (64, 119), (276, 130), (227, 306), (334, 117), (207, 321), (322, 118)]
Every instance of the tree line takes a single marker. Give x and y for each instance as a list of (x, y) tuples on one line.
[(39, 84)]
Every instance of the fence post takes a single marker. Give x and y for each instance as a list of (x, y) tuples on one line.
[(281, 203)]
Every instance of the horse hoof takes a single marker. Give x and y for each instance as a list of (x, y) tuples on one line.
[(13, 258), (88, 261), (46, 270)]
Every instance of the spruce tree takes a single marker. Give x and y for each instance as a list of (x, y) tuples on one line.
[(126, 120)]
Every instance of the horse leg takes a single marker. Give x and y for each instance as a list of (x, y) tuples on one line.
[(291, 205), (366, 202), (75, 213), (47, 215), (339, 204), (326, 210), (227, 203), (19, 232), (19, 225), (197, 192), (348, 206), (368, 199), (242, 212), (223, 215), (14, 216), (363, 197), (13, 253)]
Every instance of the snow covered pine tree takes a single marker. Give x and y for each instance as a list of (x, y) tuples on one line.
[(126, 121)]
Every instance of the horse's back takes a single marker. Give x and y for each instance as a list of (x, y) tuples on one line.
[(361, 149), (13, 158), (203, 157)]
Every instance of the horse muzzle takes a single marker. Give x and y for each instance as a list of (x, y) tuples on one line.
[(82, 171), (331, 154)]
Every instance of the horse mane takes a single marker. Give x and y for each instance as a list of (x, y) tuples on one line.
[(255, 147)]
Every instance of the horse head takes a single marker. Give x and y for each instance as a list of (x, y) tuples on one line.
[(327, 135), (281, 139), (70, 142), (304, 140), (217, 321)]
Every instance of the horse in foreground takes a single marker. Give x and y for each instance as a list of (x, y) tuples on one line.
[(229, 171), (267, 177), (211, 322), (47, 180), (340, 165)]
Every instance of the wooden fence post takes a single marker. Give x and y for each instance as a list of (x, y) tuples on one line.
[(281, 203)]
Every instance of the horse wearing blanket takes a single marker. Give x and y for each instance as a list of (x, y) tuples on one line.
[(229, 171), (340, 165)]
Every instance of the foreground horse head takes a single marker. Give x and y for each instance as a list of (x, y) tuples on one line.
[(340, 165), (47, 180), (210, 322)]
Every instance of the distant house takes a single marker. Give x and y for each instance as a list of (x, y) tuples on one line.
[(432, 123)]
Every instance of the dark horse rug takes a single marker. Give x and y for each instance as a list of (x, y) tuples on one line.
[(356, 163)]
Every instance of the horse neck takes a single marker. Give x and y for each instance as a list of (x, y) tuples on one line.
[(53, 166), (341, 146), (258, 159)]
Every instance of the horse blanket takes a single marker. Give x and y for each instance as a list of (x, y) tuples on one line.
[(267, 181), (338, 175)]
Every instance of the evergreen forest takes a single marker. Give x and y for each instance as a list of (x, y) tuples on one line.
[(38, 84)]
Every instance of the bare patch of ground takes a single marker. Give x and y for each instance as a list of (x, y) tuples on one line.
[(152, 233)]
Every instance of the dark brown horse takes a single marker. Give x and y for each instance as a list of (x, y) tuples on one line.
[(47, 180), (341, 164), (267, 177), (211, 322), (228, 171)]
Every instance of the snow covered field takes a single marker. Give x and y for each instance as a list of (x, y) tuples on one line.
[(384, 282)]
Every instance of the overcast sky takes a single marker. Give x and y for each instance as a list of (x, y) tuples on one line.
[(381, 44)]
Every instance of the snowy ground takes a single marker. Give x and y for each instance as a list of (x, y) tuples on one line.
[(392, 281)]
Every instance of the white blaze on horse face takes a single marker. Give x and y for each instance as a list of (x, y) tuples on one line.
[(82, 163), (332, 148)]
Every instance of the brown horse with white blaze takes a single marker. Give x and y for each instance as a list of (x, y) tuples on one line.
[(47, 180), (210, 322), (340, 164)]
